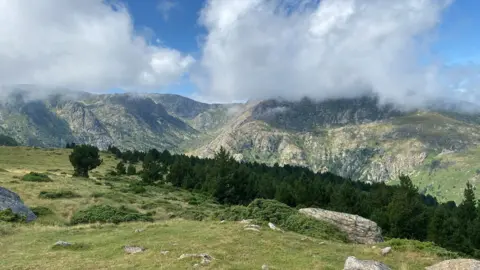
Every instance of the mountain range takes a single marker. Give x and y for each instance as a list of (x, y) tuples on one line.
[(355, 138)]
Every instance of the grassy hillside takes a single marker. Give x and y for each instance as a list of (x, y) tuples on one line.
[(177, 227)]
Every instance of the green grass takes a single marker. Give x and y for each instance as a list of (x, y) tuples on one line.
[(182, 223)]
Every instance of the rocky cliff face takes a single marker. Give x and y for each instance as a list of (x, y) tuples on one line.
[(355, 138)]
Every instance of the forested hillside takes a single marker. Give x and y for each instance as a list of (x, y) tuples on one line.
[(400, 210)]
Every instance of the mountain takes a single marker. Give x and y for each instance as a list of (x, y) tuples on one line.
[(355, 138)]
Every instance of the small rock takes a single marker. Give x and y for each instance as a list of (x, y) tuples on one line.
[(246, 221), (321, 243), (62, 243), (223, 221), (138, 230), (374, 247), (386, 250), (252, 226), (273, 227), (251, 229), (264, 267), (197, 265), (206, 259), (164, 252), (133, 249), (353, 263)]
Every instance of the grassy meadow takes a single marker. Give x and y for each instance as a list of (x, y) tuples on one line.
[(182, 224)]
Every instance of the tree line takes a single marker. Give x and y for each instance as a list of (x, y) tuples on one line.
[(400, 210)]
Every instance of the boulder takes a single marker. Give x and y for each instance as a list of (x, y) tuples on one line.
[(353, 263), (456, 264), (358, 229), (386, 250), (9, 199), (206, 259), (133, 249)]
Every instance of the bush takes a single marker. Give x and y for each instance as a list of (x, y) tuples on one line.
[(285, 217), (108, 214), (120, 169), (97, 194), (136, 188), (131, 170), (36, 177), (8, 215), (61, 194), (193, 214), (41, 211)]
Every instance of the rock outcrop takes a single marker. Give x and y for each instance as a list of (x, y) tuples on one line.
[(358, 229), (457, 264), (11, 200), (353, 263)]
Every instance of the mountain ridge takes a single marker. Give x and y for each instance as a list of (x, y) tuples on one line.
[(355, 138)]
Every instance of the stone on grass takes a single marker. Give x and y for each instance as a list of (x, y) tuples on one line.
[(353, 263), (206, 259), (11, 200), (133, 249), (386, 250), (264, 267), (62, 244), (358, 229), (273, 227), (164, 252)]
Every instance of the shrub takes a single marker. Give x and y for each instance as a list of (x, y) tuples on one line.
[(36, 177), (193, 214), (136, 188), (282, 215), (108, 214), (120, 169), (131, 170), (8, 215), (61, 194), (41, 211)]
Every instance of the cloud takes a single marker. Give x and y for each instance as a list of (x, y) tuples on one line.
[(165, 7), (82, 45), (323, 49)]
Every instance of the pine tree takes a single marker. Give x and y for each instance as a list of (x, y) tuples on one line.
[(121, 168)]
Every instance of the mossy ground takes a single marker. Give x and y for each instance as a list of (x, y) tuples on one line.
[(176, 228)]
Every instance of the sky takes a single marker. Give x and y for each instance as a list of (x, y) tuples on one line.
[(409, 52)]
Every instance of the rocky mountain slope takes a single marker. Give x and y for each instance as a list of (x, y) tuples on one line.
[(355, 138)]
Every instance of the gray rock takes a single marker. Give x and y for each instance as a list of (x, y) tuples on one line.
[(164, 252), (358, 229), (386, 250), (206, 259), (353, 263), (9, 199), (264, 267), (133, 249), (62, 243), (456, 264), (251, 229)]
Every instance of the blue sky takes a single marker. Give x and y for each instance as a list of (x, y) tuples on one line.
[(249, 49)]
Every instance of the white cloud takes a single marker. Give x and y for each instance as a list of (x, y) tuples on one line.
[(337, 48), (85, 45), (165, 7)]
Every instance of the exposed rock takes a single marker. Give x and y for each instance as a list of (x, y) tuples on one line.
[(206, 259), (353, 263), (456, 264), (273, 227), (62, 244), (11, 200), (251, 229), (252, 226), (264, 267), (223, 221), (138, 230), (133, 249), (386, 250), (164, 252), (358, 229), (246, 221)]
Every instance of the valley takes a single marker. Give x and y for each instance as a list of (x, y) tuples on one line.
[(355, 138)]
